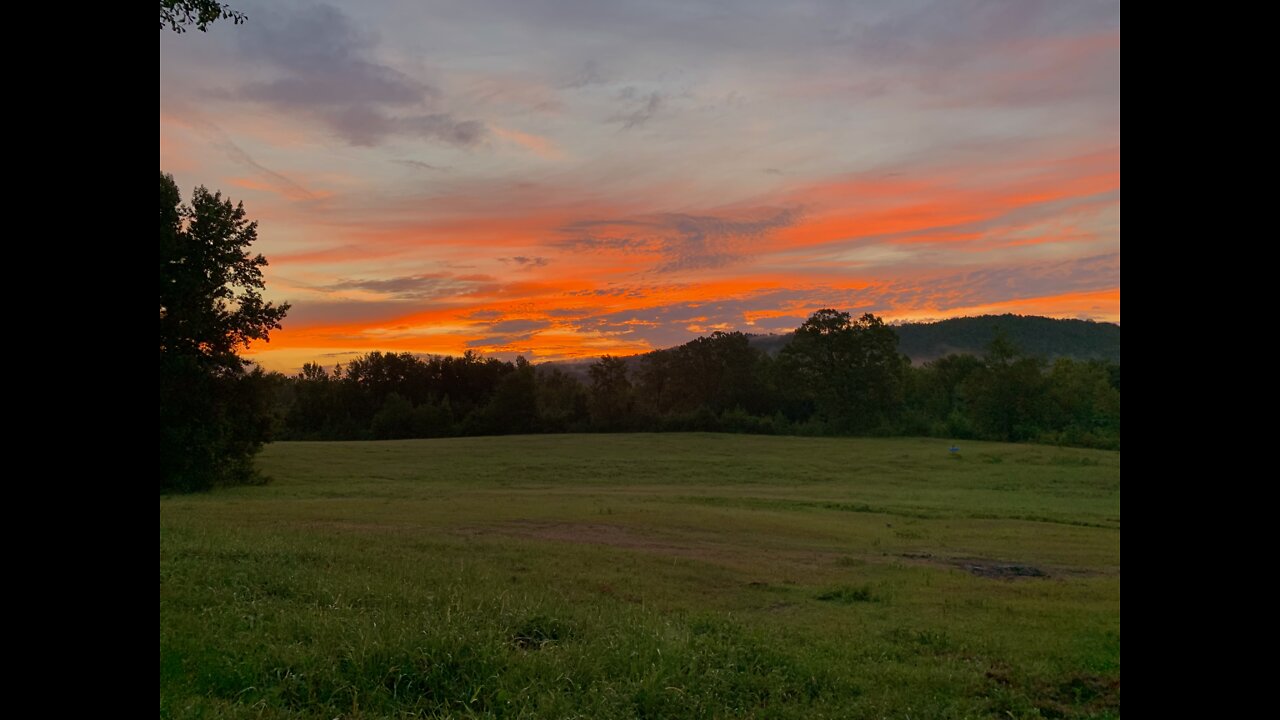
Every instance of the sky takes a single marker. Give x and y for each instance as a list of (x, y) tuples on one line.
[(569, 179)]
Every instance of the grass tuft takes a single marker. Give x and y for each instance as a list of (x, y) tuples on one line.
[(847, 595)]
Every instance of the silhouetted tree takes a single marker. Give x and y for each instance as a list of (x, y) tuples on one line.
[(850, 369), (1084, 408), (934, 401), (1007, 398), (178, 14), (212, 419), (561, 401), (717, 372), (837, 376), (394, 420), (611, 397), (513, 407)]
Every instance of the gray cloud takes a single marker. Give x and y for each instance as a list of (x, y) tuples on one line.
[(415, 287), (236, 154), (330, 72), (509, 332), (526, 262), (499, 341), (681, 241), (444, 127), (358, 84), (1001, 284), (990, 52), (942, 32), (583, 239), (619, 292), (519, 326), (283, 183), (639, 111), (320, 312), (419, 165), (588, 75)]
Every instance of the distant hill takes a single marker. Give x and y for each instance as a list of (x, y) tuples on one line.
[(1034, 335), (922, 342)]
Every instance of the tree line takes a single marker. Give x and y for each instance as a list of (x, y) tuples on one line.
[(835, 376)]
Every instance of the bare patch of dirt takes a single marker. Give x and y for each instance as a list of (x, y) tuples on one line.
[(618, 536), (987, 568), (342, 526), (735, 551), (1003, 571), (727, 550)]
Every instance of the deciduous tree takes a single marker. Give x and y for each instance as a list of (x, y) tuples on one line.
[(213, 417), (851, 369), (177, 15)]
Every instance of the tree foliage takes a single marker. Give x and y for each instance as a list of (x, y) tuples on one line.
[(1048, 337), (837, 375), (213, 414), (211, 302), (850, 369), (719, 372), (611, 393), (178, 15)]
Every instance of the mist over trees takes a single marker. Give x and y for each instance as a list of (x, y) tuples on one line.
[(836, 375)]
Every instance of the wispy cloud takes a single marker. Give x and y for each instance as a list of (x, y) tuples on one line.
[(219, 140), (413, 287), (419, 165), (525, 262), (589, 74), (328, 70), (680, 241), (640, 109), (536, 144)]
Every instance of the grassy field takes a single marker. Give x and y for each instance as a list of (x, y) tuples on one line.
[(654, 576)]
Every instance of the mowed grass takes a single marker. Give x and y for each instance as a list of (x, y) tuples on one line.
[(651, 576)]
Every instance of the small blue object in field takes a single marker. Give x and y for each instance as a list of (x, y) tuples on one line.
[(953, 449)]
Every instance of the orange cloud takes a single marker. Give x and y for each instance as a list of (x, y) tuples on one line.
[(538, 145), (609, 280), (944, 208), (288, 191)]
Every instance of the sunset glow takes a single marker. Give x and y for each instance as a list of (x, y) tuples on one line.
[(558, 181)]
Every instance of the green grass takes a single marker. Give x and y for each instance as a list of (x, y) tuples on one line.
[(648, 576)]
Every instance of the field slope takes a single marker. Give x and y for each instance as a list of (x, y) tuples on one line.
[(661, 576)]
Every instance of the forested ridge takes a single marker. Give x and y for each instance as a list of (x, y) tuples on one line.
[(1034, 335)]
